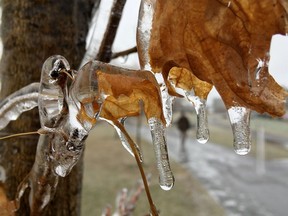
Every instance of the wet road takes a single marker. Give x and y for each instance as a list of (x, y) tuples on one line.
[(232, 180)]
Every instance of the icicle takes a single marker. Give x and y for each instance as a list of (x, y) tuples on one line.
[(166, 178), (145, 22), (20, 101), (202, 134), (240, 122)]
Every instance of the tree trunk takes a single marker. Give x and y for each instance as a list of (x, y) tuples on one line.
[(31, 31)]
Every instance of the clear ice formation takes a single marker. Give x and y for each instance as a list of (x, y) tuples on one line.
[(202, 131), (69, 106), (166, 178), (240, 122), (202, 134), (58, 115), (40, 192), (52, 91), (89, 94), (20, 101), (61, 144), (97, 30), (145, 22), (166, 99)]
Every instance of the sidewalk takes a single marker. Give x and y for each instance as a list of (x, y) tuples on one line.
[(232, 179)]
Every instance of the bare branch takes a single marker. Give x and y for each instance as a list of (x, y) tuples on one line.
[(124, 52), (105, 51)]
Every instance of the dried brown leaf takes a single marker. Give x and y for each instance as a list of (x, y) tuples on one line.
[(124, 93), (220, 42)]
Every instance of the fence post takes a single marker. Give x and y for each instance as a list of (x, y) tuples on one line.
[(260, 151)]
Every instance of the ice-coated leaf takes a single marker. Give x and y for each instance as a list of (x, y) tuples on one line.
[(20, 101), (221, 43), (101, 86)]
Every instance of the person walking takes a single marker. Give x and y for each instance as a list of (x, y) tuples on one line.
[(183, 125)]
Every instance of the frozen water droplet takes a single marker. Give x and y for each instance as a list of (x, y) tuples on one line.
[(166, 178), (240, 122), (202, 133), (166, 187)]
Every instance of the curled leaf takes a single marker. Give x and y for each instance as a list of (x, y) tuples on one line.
[(224, 43)]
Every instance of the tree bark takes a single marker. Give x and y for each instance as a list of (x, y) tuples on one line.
[(31, 31)]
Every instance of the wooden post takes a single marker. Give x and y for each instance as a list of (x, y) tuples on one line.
[(260, 154)]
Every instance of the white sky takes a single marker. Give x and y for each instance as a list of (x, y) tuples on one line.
[(126, 38)]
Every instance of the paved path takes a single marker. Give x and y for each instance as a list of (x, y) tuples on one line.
[(232, 180)]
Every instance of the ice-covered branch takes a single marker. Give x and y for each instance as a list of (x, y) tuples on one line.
[(103, 31), (20, 101)]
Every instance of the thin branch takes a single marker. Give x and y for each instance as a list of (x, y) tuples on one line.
[(124, 52), (105, 51)]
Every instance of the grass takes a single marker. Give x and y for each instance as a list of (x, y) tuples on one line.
[(108, 168)]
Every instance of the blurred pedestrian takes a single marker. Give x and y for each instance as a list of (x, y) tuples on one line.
[(183, 125)]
